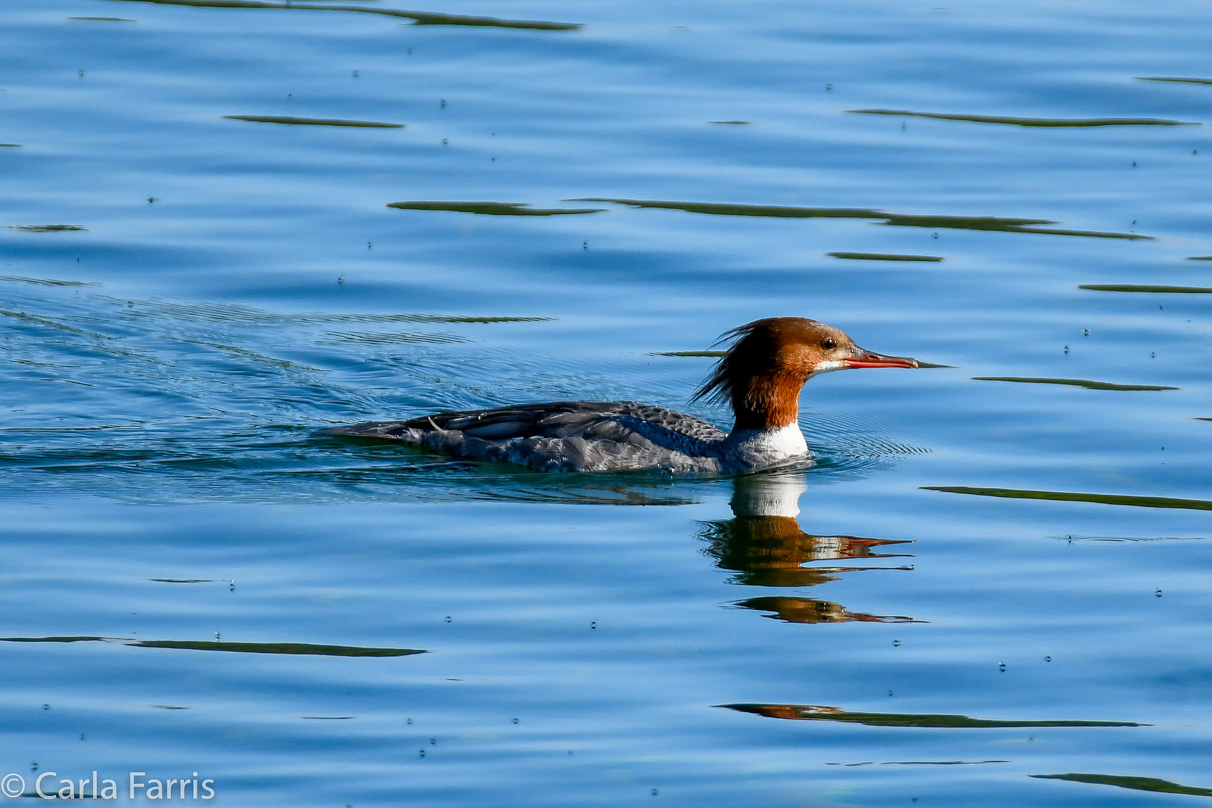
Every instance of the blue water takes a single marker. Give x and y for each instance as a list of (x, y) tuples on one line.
[(228, 287)]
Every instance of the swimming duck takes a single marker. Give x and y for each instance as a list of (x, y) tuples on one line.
[(761, 375)]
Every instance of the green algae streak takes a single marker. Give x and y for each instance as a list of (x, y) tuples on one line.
[(293, 121), (812, 712), (1086, 383), (1069, 496), (418, 17), (1014, 121), (1125, 781)]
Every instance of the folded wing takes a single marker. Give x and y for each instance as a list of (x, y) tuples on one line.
[(561, 436)]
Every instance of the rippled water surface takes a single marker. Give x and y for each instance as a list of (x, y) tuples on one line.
[(227, 225)]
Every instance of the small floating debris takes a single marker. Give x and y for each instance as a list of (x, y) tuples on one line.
[(1199, 258), (493, 208), (1126, 781), (731, 123), (46, 228), (182, 580), (100, 19), (418, 17), (10, 145), (812, 712), (861, 256), (1174, 80), (1089, 385), (290, 120), (1147, 288), (1068, 496), (1013, 121)]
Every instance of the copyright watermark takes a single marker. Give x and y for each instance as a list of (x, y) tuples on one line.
[(13, 785), (50, 786)]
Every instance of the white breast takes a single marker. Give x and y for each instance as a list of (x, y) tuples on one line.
[(749, 449)]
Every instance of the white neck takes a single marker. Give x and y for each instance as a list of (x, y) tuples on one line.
[(749, 449)]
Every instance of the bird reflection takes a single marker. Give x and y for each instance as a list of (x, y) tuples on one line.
[(765, 545)]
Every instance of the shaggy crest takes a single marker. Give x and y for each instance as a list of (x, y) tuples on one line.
[(752, 352), (717, 388)]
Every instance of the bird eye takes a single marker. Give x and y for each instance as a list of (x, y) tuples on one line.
[(828, 344)]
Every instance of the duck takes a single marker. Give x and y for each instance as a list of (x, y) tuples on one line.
[(761, 374)]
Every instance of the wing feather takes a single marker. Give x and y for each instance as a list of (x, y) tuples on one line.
[(558, 436)]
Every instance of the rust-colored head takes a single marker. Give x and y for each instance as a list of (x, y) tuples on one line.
[(769, 361)]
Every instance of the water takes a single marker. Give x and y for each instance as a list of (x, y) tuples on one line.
[(996, 575)]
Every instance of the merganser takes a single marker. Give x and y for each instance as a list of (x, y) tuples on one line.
[(761, 374)]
